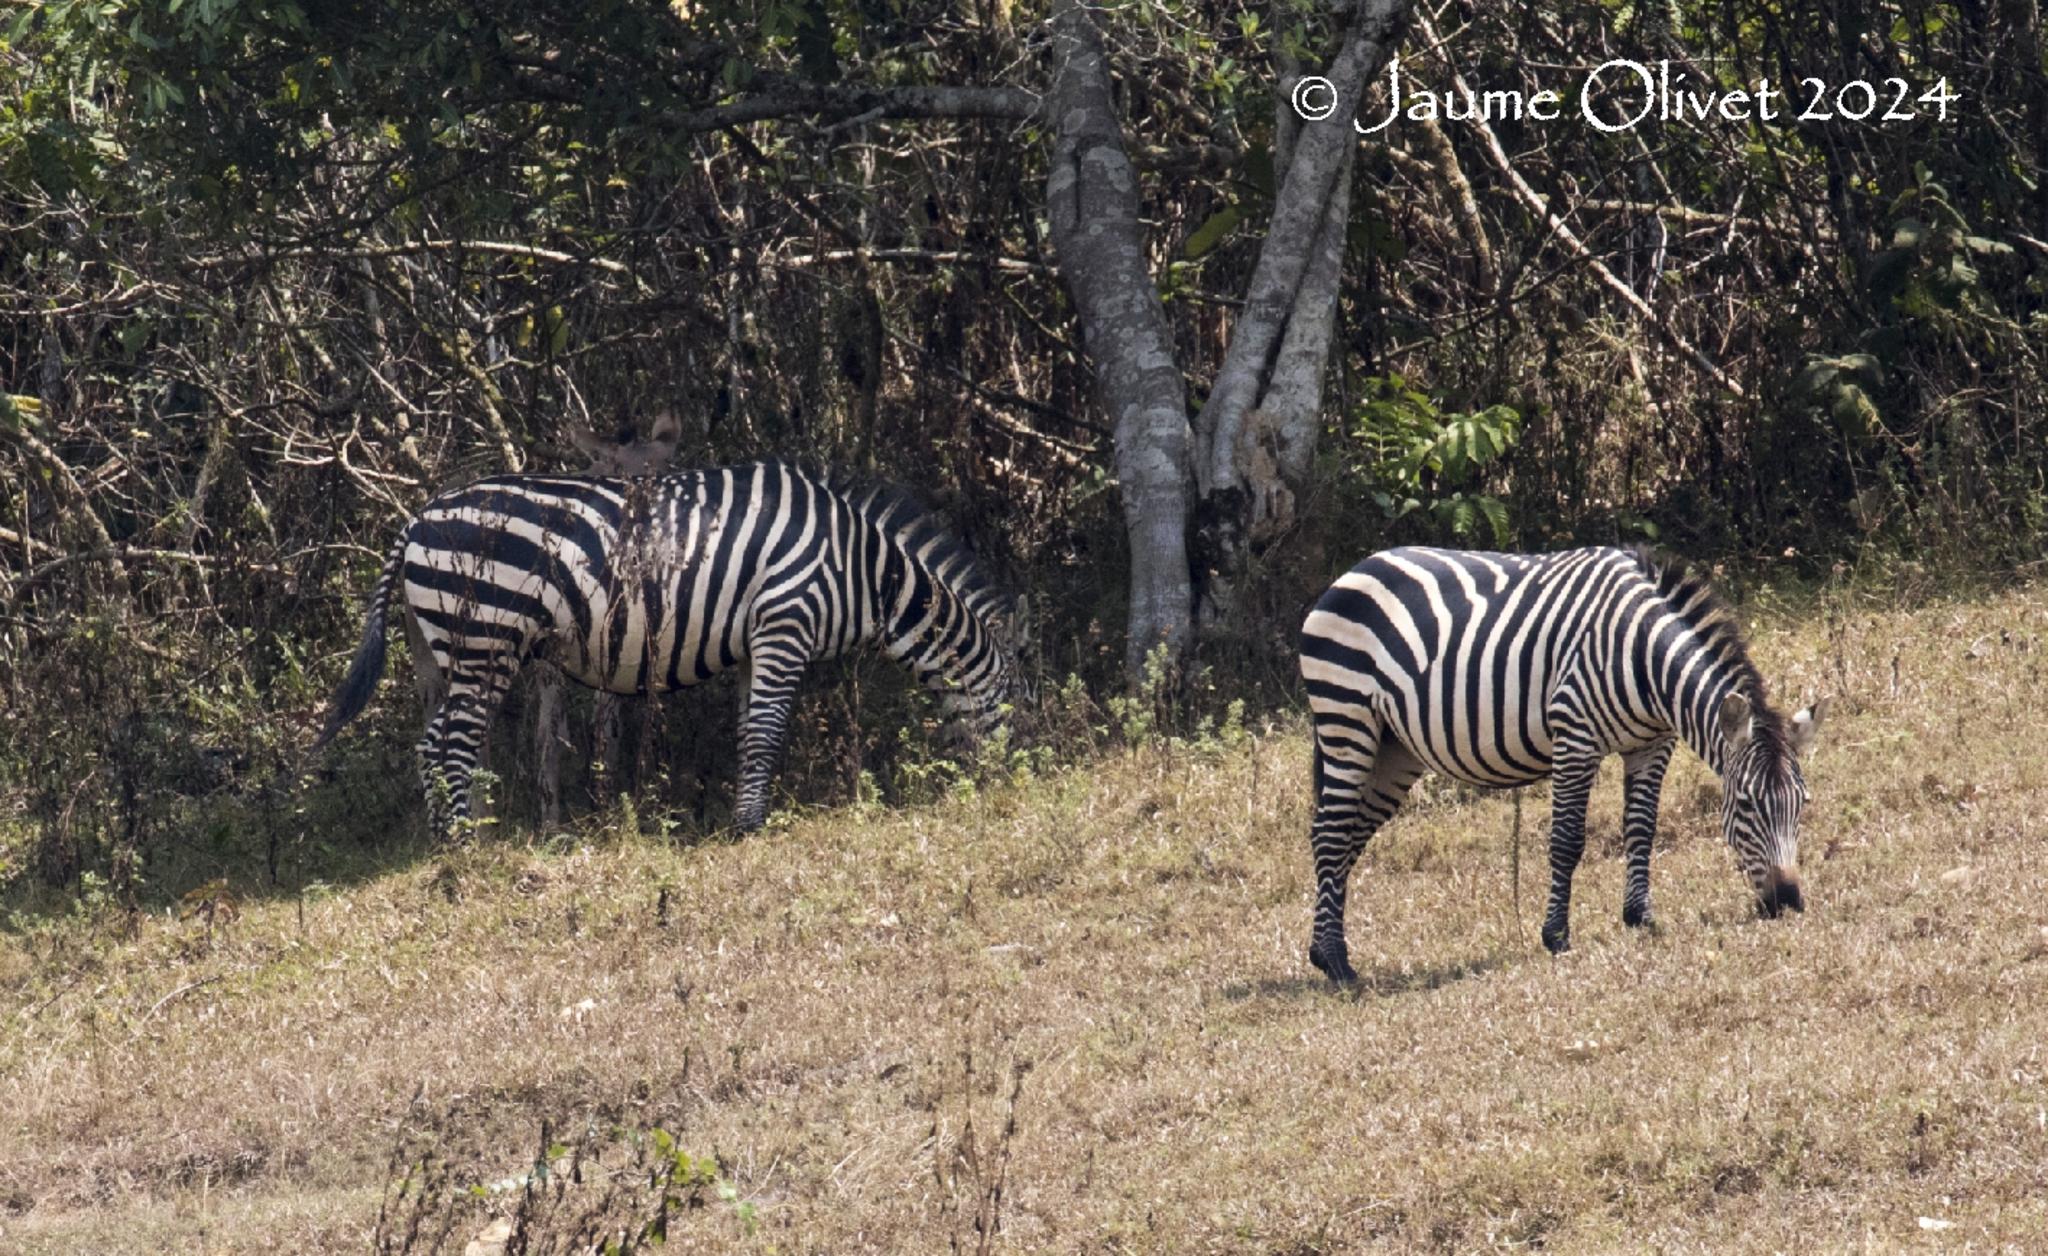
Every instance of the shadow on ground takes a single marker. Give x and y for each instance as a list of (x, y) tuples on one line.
[(1387, 979)]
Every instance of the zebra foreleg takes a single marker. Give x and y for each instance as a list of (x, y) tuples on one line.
[(772, 675), (1357, 790), (1571, 784), (1644, 777)]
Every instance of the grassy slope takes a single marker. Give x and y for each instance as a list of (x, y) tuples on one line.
[(1135, 932)]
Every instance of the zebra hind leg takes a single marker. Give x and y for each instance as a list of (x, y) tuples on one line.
[(1359, 786), (448, 760), (454, 744), (428, 748)]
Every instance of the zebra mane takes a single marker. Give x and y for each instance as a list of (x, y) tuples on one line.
[(898, 510), (1690, 592)]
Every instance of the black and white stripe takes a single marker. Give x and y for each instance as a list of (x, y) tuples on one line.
[(1502, 669), (648, 584)]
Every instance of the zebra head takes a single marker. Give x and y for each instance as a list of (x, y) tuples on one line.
[(940, 614), (981, 684), (1762, 794)]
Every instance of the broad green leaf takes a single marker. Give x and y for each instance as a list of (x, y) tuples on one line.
[(1211, 233)]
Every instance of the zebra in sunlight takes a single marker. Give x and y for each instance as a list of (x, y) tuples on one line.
[(1501, 669), (645, 584)]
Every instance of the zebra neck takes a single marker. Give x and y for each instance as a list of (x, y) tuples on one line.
[(918, 616), (931, 653), (924, 654), (945, 644), (1703, 681)]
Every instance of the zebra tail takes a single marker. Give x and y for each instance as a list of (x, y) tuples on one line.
[(367, 667)]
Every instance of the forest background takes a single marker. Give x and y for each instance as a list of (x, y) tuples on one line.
[(271, 274)]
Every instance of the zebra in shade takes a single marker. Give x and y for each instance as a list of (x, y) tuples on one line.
[(634, 585), (1501, 669)]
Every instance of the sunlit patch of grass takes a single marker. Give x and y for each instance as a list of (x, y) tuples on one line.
[(801, 1006)]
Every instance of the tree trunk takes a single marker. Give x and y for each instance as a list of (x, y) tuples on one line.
[(1289, 415), (1092, 201), (1295, 281)]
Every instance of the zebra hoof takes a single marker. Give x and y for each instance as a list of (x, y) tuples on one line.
[(1557, 941), (1333, 961), (1638, 917)]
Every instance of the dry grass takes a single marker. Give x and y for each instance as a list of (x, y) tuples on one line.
[(802, 1004)]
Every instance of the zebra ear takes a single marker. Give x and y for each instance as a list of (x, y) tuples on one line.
[(588, 443), (662, 441), (1735, 721), (1806, 726)]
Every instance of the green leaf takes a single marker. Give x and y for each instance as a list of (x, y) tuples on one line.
[(1496, 513), (18, 412), (1814, 380), (1889, 271), (1211, 233), (1854, 410)]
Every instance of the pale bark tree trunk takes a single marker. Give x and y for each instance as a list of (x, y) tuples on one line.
[(1092, 202), (549, 723), (1279, 348), (1280, 437), (1284, 427), (1249, 449)]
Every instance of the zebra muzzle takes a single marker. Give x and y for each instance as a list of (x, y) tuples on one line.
[(1780, 892)]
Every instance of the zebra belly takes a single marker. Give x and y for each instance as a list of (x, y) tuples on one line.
[(1439, 748), (1438, 729), (652, 646), (649, 595)]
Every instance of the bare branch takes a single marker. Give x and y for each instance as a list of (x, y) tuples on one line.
[(417, 246), (940, 257), (1537, 205), (792, 100)]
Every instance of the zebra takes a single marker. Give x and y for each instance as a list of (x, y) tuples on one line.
[(633, 585), (1501, 669)]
